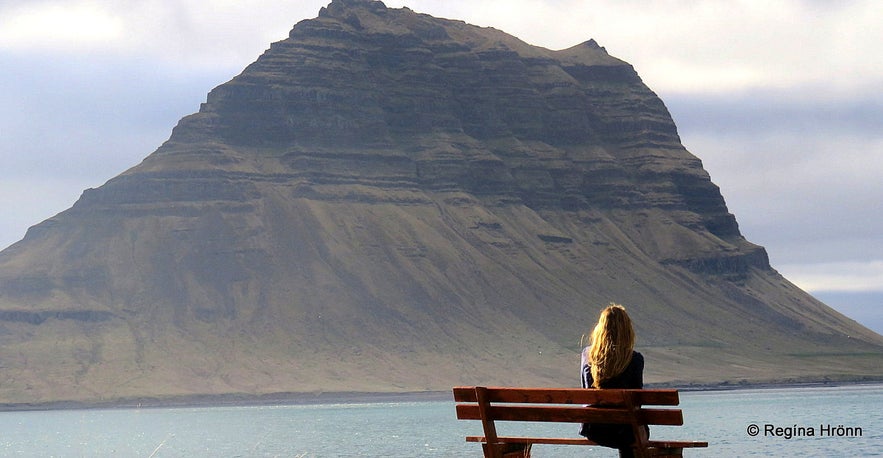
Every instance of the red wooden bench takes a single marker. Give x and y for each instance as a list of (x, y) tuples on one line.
[(570, 405)]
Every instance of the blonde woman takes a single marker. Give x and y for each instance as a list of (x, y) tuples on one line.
[(610, 361)]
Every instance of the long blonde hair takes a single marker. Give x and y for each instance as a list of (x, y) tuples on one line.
[(612, 343)]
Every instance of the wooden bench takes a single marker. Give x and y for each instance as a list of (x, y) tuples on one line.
[(571, 405)]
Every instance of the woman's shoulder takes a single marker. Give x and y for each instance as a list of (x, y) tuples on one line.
[(637, 358)]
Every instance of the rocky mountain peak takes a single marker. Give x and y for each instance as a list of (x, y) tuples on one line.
[(344, 9)]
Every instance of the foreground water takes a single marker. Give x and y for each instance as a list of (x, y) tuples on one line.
[(834, 421)]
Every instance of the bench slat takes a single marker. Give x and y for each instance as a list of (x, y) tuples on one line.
[(665, 417), (668, 417), (660, 397), (582, 441), (535, 440), (544, 414)]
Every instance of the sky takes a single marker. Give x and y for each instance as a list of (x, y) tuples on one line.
[(782, 101)]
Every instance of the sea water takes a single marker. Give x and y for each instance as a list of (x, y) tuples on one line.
[(806, 422)]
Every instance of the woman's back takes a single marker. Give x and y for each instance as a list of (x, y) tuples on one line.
[(611, 362)]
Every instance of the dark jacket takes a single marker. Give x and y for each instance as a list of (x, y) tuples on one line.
[(616, 436)]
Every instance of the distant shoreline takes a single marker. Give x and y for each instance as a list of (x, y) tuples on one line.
[(234, 400), (357, 397), (766, 385)]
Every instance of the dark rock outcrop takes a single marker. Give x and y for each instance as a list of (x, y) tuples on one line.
[(386, 201)]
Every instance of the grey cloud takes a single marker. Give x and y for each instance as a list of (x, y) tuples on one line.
[(88, 112), (801, 173), (794, 110), (865, 307), (68, 123)]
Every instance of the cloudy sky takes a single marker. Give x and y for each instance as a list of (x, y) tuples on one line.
[(782, 100)]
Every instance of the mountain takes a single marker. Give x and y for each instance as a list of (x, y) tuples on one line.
[(387, 202)]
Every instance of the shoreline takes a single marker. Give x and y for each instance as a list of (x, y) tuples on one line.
[(360, 397), (233, 400), (729, 386)]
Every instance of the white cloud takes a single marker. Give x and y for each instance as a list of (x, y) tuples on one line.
[(706, 45), (676, 45), (59, 26), (808, 196), (217, 33), (838, 276)]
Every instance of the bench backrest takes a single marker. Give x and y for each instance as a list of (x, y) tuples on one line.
[(569, 405)]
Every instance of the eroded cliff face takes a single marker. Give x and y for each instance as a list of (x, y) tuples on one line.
[(386, 201)]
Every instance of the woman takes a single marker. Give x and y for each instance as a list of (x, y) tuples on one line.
[(610, 361)]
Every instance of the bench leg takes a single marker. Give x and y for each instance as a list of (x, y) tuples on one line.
[(506, 450)]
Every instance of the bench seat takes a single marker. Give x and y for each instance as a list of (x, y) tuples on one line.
[(635, 408)]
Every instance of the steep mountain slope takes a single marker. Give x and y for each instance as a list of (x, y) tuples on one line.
[(386, 201)]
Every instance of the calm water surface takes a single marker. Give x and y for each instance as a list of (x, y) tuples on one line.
[(806, 422)]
